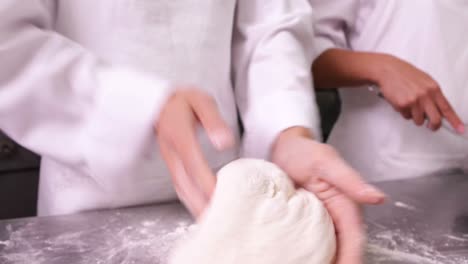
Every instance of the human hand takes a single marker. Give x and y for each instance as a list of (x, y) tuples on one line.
[(414, 93), (193, 179), (319, 168)]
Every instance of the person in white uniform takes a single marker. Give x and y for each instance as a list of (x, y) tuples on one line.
[(416, 53), (109, 91)]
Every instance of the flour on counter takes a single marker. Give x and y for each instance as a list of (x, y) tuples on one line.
[(405, 206), (126, 238), (5, 243), (384, 255), (111, 243), (149, 223), (461, 239), (145, 240), (403, 247)]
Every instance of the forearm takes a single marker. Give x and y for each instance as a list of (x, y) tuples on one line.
[(272, 56), (344, 68)]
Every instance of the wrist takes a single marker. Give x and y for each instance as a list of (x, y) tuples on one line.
[(297, 131), (285, 137), (376, 67)]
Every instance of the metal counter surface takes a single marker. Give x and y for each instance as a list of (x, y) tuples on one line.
[(424, 221)]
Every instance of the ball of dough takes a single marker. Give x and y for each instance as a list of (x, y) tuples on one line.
[(256, 216)]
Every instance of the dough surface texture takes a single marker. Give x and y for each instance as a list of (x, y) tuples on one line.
[(256, 216)]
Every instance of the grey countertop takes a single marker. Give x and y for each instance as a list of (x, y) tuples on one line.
[(424, 221)]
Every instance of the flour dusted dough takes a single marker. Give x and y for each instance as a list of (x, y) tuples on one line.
[(257, 217)]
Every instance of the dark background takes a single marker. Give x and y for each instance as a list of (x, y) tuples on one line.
[(19, 168)]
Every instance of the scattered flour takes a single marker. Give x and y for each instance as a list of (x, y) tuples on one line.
[(109, 244), (148, 223), (461, 239), (384, 255), (144, 244), (5, 243), (405, 206), (117, 242), (403, 247)]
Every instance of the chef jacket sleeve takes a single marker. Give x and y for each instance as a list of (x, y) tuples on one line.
[(334, 21), (61, 101), (272, 55)]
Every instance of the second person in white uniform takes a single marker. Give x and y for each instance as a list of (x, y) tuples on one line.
[(416, 52)]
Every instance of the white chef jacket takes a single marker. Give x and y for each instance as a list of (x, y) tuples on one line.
[(430, 34), (82, 84)]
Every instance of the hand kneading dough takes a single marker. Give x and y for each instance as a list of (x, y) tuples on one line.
[(257, 217)]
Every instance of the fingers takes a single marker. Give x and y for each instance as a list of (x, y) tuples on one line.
[(208, 114), (436, 107), (447, 112), (417, 114), (186, 189), (406, 113), (185, 144), (426, 100), (350, 234), (348, 180), (193, 177), (347, 220), (432, 113)]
